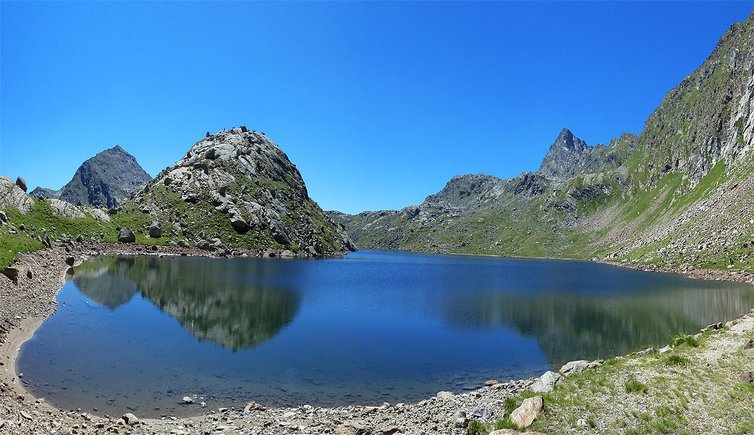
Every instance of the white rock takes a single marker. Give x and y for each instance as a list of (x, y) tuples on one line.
[(546, 382), (574, 367), (524, 415)]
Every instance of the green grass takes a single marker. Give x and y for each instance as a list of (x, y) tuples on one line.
[(13, 245), (675, 360), (634, 386)]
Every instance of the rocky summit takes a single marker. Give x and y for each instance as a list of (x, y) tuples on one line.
[(237, 188), (105, 180)]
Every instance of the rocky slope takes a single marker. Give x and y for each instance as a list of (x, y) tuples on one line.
[(677, 193), (105, 180), (238, 188)]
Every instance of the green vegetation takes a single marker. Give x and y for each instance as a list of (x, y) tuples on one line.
[(634, 386)]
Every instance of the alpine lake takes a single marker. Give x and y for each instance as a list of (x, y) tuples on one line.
[(139, 333)]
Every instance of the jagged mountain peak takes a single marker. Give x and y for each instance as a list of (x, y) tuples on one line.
[(568, 141), (105, 180)]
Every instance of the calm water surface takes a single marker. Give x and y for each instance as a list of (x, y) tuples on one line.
[(139, 333)]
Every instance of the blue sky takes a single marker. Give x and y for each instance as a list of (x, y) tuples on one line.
[(378, 104)]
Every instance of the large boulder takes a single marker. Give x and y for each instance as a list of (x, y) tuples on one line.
[(546, 382), (13, 196), (572, 367), (524, 415), (20, 182), (125, 235), (155, 230)]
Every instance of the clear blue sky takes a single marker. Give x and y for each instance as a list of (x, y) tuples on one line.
[(378, 104)]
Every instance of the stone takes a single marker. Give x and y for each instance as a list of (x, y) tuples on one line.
[(183, 244), (130, 419), (490, 382), (461, 422), (353, 428), (155, 230), (20, 182), (11, 273), (749, 348), (546, 382), (595, 363), (3, 216), (69, 261), (125, 235), (187, 400), (239, 224), (572, 367), (746, 377), (524, 415), (445, 395), (29, 274), (511, 432), (22, 227), (80, 238), (46, 241), (26, 415), (210, 154)]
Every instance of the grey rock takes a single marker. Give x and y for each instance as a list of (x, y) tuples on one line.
[(130, 419), (80, 238), (21, 183), (3, 216), (11, 273), (187, 400), (572, 367), (125, 235), (749, 348), (46, 241), (546, 382), (69, 261), (155, 230), (746, 377)]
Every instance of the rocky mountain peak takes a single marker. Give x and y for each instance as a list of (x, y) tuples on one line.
[(105, 180), (566, 140), (237, 184)]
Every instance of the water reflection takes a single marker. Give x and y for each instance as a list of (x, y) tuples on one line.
[(571, 325), (215, 300)]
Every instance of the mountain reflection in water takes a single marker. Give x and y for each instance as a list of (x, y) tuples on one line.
[(214, 300)]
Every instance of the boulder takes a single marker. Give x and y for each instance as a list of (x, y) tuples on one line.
[(11, 273), (130, 419), (155, 230), (546, 382), (187, 400), (574, 367), (46, 241), (69, 261), (20, 182), (239, 224), (524, 415), (80, 238), (125, 235), (445, 395), (3, 216)]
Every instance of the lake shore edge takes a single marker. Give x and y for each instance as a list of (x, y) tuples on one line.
[(41, 275)]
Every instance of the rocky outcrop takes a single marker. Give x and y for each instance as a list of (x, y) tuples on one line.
[(237, 186), (105, 180), (12, 196)]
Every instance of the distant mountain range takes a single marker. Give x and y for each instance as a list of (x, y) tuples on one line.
[(680, 192), (105, 180)]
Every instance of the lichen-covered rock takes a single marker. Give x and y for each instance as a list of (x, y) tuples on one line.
[(12, 196), (125, 235)]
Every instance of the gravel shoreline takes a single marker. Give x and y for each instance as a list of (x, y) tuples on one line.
[(27, 303)]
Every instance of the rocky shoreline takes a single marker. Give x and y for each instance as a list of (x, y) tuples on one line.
[(31, 299)]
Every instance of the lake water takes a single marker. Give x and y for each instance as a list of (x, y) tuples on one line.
[(139, 333)]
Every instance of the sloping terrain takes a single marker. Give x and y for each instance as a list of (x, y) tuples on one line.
[(680, 192)]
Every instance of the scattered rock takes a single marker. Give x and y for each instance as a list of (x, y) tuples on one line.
[(130, 419), (187, 400), (524, 415), (573, 367), (11, 273), (155, 230), (20, 182), (445, 395), (546, 382), (125, 235), (490, 382)]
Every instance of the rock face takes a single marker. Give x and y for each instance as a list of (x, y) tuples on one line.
[(239, 187), (570, 156), (104, 180), (13, 196)]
